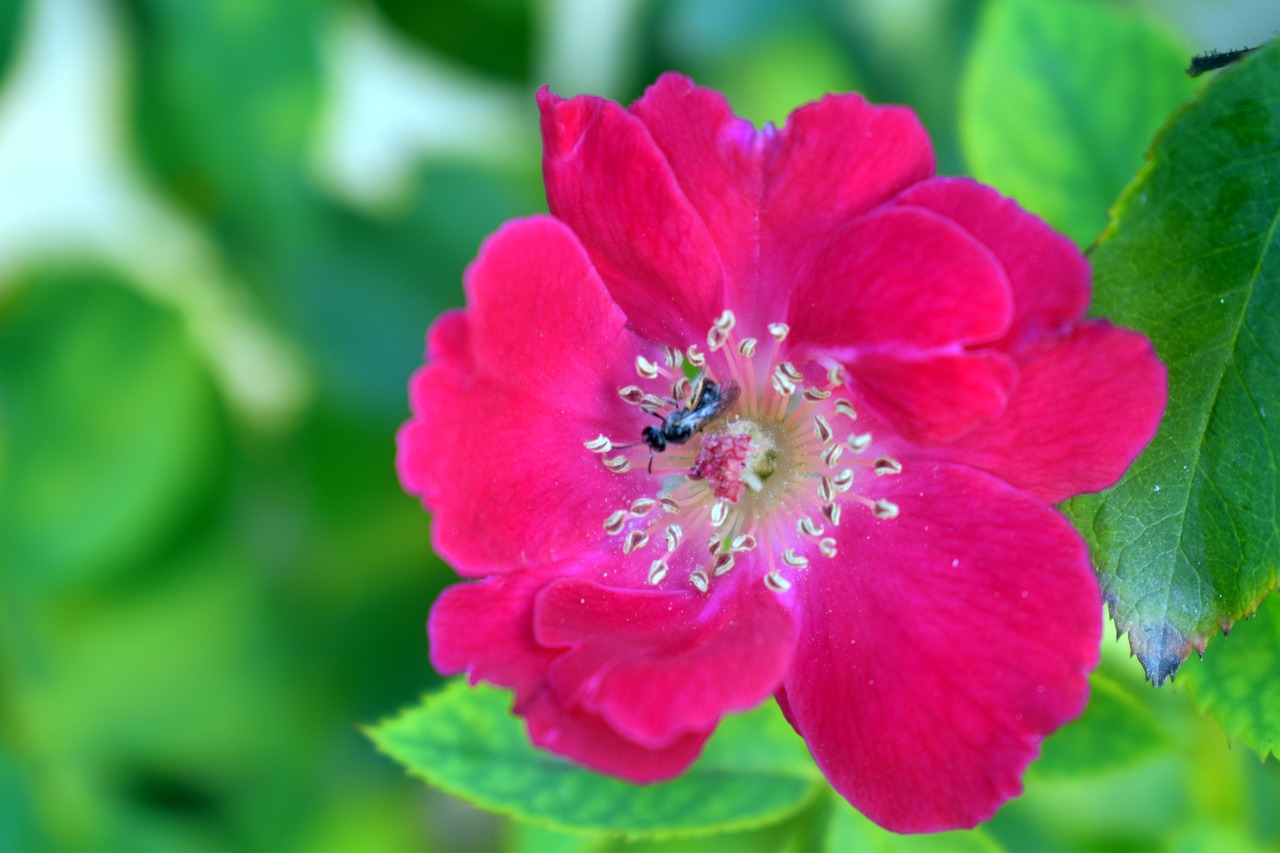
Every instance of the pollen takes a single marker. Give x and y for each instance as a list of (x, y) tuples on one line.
[(747, 447)]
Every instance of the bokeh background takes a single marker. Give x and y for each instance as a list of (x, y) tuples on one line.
[(224, 228)]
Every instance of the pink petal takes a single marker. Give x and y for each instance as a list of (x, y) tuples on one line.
[(510, 392), (607, 179), (835, 160), (657, 664), (1049, 276), (485, 629), (937, 398), (900, 281), (716, 158), (1082, 412), (587, 739), (932, 662)]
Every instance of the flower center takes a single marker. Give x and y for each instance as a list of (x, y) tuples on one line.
[(753, 455)]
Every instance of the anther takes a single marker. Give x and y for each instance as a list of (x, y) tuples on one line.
[(669, 506), (844, 407), (779, 331), (657, 571), (617, 464), (600, 444), (674, 534), (642, 506), (832, 455), (776, 582), (646, 368), (720, 329), (722, 565), (633, 394), (828, 547), (747, 347), (831, 511), (614, 524), (700, 580), (843, 480), (673, 356), (835, 375), (813, 395), (652, 401), (782, 384), (888, 465), (695, 358), (822, 429), (860, 442), (790, 370), (807, 527), (885, 509), (713, 545), (680, 390), (794, 560), (719, 512), (825, 489), (635, 539), (745, 542)]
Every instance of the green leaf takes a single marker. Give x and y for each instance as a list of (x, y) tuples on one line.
[(1117, 731), (1190, 540), (1059, 101), (110, 428), (1236, 680), (13, 15), (849, 830), (492, 36), (754, 771)]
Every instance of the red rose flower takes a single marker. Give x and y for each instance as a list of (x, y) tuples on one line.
[(865, 386)]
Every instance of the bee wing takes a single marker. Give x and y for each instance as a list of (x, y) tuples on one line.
[(728, 396)]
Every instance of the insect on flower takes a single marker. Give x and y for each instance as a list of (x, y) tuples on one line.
[(708, 402)]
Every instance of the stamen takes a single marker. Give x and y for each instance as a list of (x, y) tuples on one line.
[(832, 513), (722, 565), (794, 560), (782, 384), (779, 331), (652, 401), (614, 524), (888, 465), (791, 373), (719, 332), (844, 407), (885, 509), (696, 358), (745, 542), (635, 539), (813, 395), (832, 455), (700, 580), (713, 546), (601, 444), (680, 390), (822, 429), (642, 506), (843, 480), (776, 582), (617, 464), (860, 442), (646, 368), (719, 512), (633, 394), (807, 527), (747, 348), (673, 356), (674, 533), (828, 547), (835, 375), (669, 505), (825, 490), (657, 571)]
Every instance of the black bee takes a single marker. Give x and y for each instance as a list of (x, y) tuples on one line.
[(708, 402), (1214, 59)]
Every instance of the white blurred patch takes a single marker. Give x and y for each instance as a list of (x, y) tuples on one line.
[(68, 189)]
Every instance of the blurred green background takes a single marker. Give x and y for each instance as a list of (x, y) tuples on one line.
[(225, 226)]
